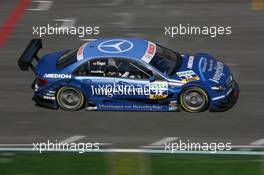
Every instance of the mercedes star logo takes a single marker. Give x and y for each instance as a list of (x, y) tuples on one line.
[(115, 46)]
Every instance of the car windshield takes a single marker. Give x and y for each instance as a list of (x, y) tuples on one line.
[(68, 58), (165, 60)]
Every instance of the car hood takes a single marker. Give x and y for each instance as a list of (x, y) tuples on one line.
[(202, 67)]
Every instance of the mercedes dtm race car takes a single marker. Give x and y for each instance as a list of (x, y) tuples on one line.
[(129, 74)]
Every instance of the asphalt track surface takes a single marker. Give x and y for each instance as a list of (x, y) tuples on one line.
[(21, 122)]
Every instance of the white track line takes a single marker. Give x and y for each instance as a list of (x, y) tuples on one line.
[(247, 146), (164, 140), (73, 139), (79, 137), (87, 39), (256, 144), (43, 5), (15, 145), (161, 143), (253, 153), (66, 23), (105, 144)]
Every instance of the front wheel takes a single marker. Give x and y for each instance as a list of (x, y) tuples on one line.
[(194, 99), (70, 98)]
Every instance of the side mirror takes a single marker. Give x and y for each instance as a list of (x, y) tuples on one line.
[(152, 78)]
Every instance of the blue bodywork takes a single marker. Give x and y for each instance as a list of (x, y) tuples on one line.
[(200, 70)]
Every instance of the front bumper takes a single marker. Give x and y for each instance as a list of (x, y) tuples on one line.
[(228, 102)]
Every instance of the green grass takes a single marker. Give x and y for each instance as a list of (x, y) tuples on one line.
[(206, 164), (53, 164), (156, 164)]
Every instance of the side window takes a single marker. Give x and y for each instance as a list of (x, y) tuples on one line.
[(94, 67), (97, 67), (123, 68), (134, 70), (114, 67)]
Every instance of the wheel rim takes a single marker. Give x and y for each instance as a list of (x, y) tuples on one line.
[(70, 99), (194, 100)]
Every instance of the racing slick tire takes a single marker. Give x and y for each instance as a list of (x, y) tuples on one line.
[(194, 99), (70, 98)]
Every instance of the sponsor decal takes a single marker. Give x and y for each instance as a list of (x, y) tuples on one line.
[(36, 87), (98, 63), (97, 71), (132, 107), (115, 46), (158, 90), (151, 48), (80, 52), (48, 97), (204, 65), (190, 62), (219, 68), (173, 105), (114, 89), (155, 90), (67, 76), (211, 64), (150, 52), (187, 76)]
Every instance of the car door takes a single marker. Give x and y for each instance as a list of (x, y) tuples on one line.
[(92, 76), (138, 84)]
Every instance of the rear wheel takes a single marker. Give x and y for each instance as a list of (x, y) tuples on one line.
[(194, 99), (70, 98)]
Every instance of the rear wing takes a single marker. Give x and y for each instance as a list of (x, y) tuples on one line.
[(25, 61)]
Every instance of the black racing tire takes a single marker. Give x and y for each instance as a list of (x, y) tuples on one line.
[(70, 98), (194, 99)]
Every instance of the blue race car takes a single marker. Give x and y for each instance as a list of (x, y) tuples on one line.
[(129, 74)]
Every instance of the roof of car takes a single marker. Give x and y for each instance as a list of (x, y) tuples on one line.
[(115, 47)]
